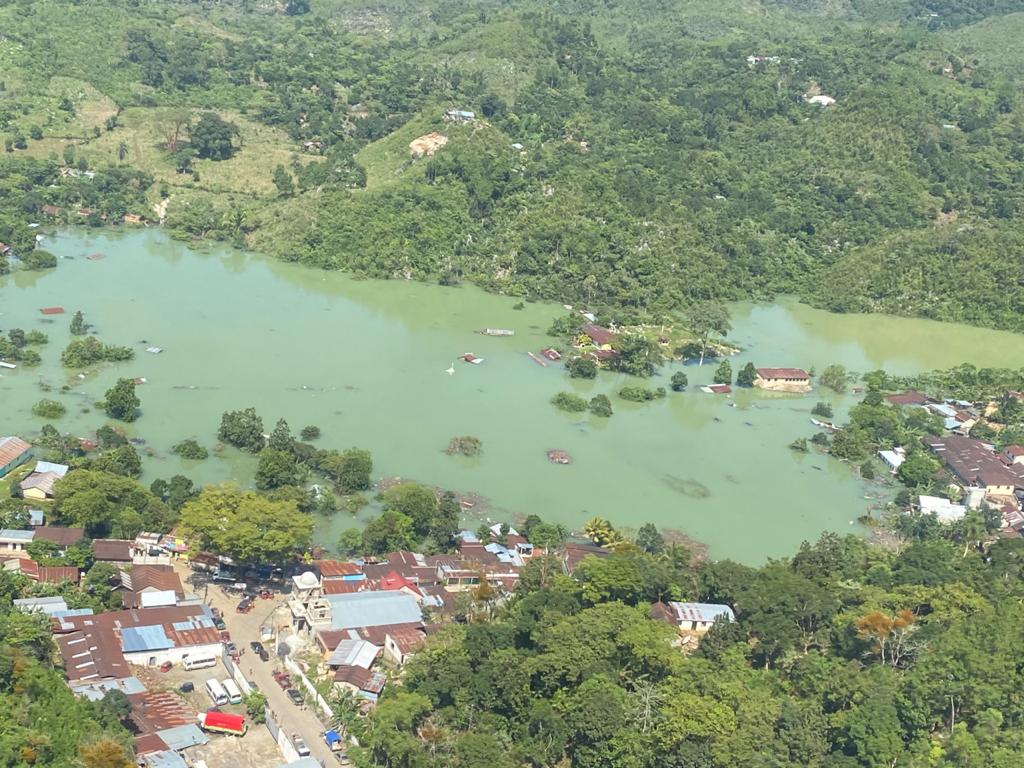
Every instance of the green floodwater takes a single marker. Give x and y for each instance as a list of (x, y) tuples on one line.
[(366, 361)]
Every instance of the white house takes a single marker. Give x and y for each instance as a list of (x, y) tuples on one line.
[(693, 617), (894, 458), (943, 509)]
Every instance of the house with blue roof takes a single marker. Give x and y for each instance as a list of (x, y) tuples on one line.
[(373, 609)]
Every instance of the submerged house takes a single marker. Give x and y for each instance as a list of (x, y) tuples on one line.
[(783, 379)]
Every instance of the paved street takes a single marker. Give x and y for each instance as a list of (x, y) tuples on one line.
[(245, 627)]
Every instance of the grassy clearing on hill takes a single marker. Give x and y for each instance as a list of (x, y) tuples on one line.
[(145, 131)]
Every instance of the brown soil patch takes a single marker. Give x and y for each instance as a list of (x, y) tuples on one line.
[(427, 145)]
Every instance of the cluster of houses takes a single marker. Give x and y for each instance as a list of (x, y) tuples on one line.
[(980, 474), (160, 623)]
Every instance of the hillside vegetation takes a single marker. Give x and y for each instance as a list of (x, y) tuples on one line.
[(658, 166)]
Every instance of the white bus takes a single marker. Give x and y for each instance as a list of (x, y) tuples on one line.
[(234, 694), (216, 692), (199, 662)]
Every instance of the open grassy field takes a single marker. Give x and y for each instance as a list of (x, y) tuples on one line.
[(146, 130)]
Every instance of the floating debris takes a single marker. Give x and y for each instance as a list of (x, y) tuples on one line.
[(11, 366), (469, 357), (139, 380), (551, 354), (542, 363), (497, 332), (556, 456), (52, 310), (95, 256), (450, 370), (154, 350)]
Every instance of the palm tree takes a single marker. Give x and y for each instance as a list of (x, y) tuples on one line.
[(346, 709), (974, 531), (122, 152), (599, 531)]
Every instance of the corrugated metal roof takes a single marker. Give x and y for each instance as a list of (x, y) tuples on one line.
[(35, 517), (705, 612), (96, 691), (151, 638), (372, 609), (182, 736), (47, 605), (162, 597), (48, 466), (11, 448), (166, 759), (356, 653), (14, 534)]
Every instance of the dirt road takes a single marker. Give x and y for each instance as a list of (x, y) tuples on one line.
[(245, 627)]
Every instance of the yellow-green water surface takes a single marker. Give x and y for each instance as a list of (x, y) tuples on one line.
[(366, 361)]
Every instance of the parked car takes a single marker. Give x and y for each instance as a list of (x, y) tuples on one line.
[(218, 622), (256, 646), (245, 605), (166, 666), (294, 695), (225, 635), (264, 655), (282, 679), (187, 687), (231, 648), (300, 745)]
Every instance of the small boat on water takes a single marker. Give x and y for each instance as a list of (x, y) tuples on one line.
[(497, 332), (469, 357), (825, 425), (11, 366), (539, 361), (551, 354), (557, 456)]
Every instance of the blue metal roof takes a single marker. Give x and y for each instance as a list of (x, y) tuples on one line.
[(373, 609), (166, 759), (72, 612), (182, 736), (96, 691), (15, 534), (47, 605), (151, 638)]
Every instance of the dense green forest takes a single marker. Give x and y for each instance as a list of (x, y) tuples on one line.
[(843, 656), (630, 156)]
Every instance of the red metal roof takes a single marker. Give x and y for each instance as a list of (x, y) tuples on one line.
[(907, 398), (599, 335), (12, 448), (783, 373), (52, 310), (333, 568), (62, 537), (57, 574)]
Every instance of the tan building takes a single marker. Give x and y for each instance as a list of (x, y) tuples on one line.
[(783, 379)]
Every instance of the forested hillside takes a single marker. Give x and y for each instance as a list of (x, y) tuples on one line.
[(845, 656), (637, 156)]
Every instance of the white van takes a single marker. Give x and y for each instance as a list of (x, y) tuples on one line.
[(198, 662), (216, 692), (234, 694)]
